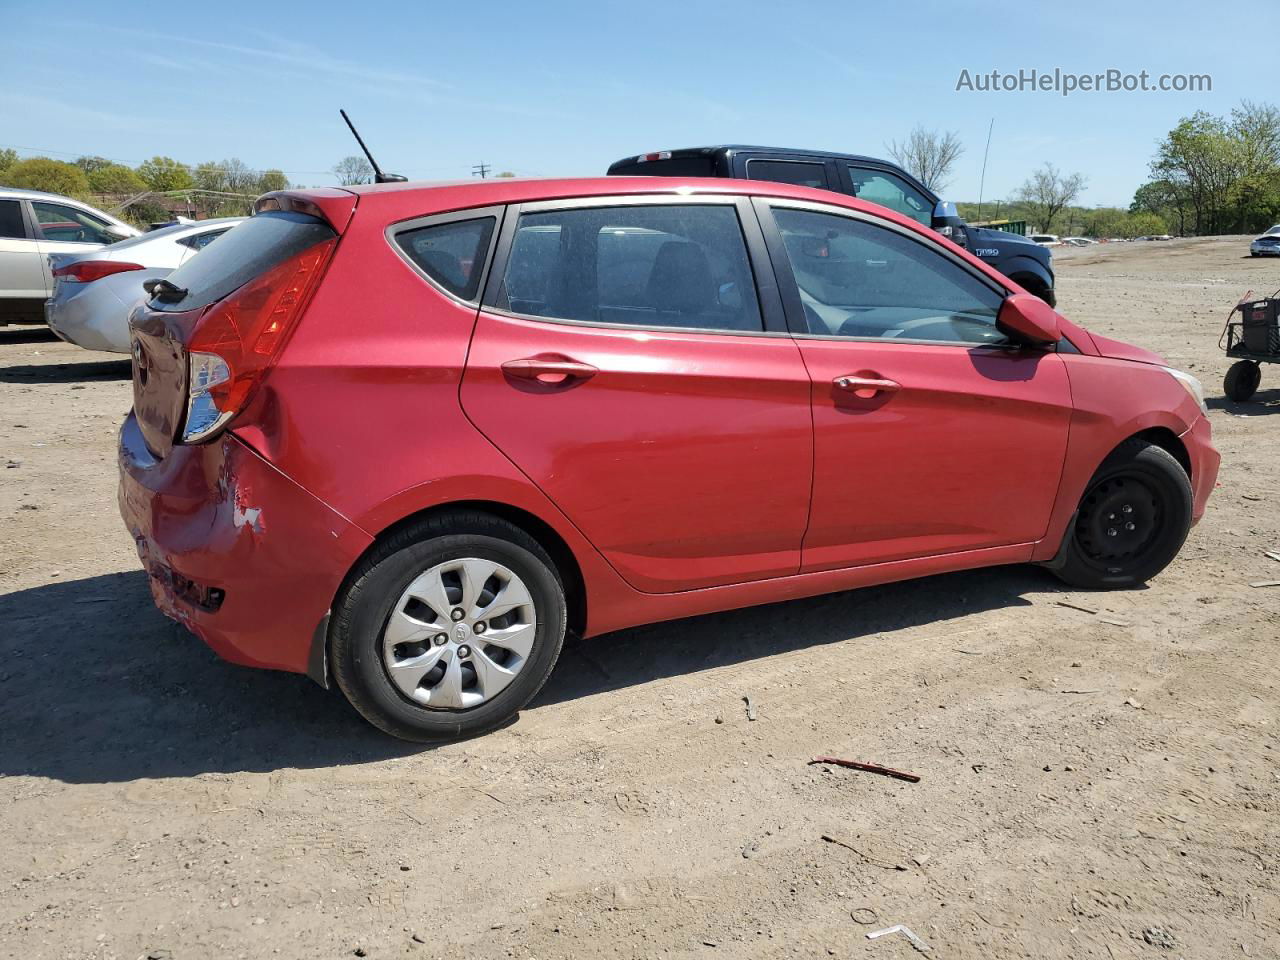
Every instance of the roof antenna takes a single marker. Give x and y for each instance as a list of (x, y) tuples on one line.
[(378, 175)]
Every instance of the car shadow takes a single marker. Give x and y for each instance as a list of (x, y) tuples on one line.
[(96, 686), (67, 372), (1260, 404), (27, 334), (681, 647)]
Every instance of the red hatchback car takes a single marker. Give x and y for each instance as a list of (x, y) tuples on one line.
[(407, 436)]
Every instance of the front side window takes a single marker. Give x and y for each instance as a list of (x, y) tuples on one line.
[(647, 266), (802, 173), (877, 186), (858, 279), (68, 224), (452, 254)]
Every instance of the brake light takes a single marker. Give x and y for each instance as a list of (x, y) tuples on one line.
[(237, 340), (86, 271), (651, 157)]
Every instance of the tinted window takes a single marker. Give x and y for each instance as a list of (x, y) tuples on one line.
[(11, 220), (263, 241), (60, 222), (201, 240), (801, 173), (857, 279), (876, 186), (649, 266), (672, 167), (451, 254)]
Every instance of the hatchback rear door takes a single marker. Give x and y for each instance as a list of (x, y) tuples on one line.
[(630, 358), (933, 433)]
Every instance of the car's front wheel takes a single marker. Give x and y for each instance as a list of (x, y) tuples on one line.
[(1132, 521), (448, 628)]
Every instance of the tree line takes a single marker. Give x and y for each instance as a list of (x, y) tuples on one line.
[(1217, 174)]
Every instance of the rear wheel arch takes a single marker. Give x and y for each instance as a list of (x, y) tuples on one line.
[(539, 530)]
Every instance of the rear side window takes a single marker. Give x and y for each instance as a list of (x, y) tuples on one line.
[(263, 241), (199, 241), (802, 173), (11, 225), (647, 266), (452, 254)]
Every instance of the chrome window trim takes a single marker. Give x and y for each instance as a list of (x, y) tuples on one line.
[(496, 211)]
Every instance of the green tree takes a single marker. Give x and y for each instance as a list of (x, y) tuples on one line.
[(210, 176), (272, 180), (115, 178), (7, 159), (165, 173), (52, 176), (90, 164)]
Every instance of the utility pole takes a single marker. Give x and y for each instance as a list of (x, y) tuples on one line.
[(480, 170)]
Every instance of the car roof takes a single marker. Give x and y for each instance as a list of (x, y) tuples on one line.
[(17, 193), (756, 148)]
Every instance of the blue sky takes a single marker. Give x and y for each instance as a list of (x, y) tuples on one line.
[(564, 88)]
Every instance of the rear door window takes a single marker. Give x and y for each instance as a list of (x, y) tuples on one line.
[(682, 266), (263, 241), (452, 254), (11, 225), (803, 173)]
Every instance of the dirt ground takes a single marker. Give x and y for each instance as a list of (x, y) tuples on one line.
[(1092, 784)]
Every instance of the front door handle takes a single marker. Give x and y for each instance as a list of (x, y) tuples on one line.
[(866, 387), (551, 371)]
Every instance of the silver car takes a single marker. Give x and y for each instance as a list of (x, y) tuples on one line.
[(34, 225), (93, 292), (1267, 245)]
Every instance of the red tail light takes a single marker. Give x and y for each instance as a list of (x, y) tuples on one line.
[(236, 341), (86, 271)]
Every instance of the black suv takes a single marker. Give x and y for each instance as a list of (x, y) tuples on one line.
[(878, 181)]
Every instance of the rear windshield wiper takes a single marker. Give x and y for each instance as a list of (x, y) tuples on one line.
[(164, 291)]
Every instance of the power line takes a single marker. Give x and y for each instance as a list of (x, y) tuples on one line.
[(480, 170)]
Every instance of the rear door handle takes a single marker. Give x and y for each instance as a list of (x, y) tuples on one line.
[(549, 370), (866, 387)]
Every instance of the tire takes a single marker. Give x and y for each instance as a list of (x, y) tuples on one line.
[(1241, 381), (1156, 491), (439, 551), (1036, 287)]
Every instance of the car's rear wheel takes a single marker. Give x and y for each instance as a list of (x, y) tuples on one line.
[(448, 628), (1132, 520), (1242, 379)]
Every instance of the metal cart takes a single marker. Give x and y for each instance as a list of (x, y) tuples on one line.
[(1252, 340)]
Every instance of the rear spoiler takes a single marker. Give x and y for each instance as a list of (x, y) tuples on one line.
[(334, 207)]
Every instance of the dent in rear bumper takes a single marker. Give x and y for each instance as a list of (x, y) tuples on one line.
[(219, 515)]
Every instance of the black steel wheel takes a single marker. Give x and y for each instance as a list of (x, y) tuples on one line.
[(1132, 520)]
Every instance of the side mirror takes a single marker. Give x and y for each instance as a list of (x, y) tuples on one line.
[(1029, 319), (947, 221)]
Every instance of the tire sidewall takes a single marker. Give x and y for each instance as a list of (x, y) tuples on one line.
[(359, 639), (1165, 475)]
